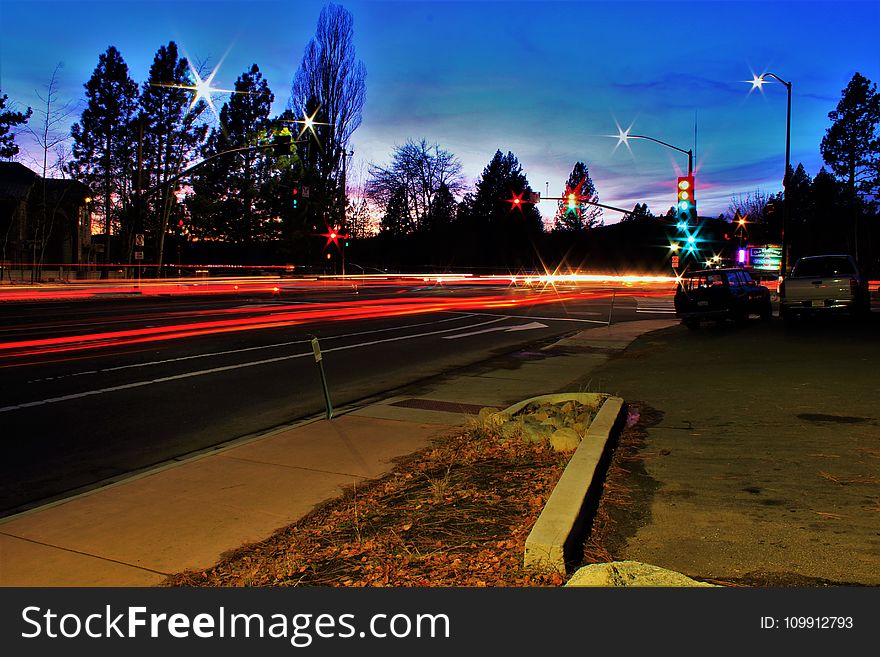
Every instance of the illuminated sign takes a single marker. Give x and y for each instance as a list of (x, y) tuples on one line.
[(767, 258)]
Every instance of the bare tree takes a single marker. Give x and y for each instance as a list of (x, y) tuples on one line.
[(749, 204), (50, 135), (360, 212), (416, 173)]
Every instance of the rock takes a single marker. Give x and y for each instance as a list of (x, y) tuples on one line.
[(629, 573), (581, 428), (490, 416), (564, 440), (512, 429), (532, 432)]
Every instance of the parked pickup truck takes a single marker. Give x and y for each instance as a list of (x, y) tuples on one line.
[(824, 284)]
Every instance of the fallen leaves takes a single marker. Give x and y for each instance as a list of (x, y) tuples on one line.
[(456, 514)]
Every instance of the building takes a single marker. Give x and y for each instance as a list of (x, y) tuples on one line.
[(45, 223)]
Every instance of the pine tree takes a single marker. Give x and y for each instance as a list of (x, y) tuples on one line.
[(396, 217), (168, 139), (505, 233), (8, 120), (227, 204), (577, 215), (851, 147), (104, 141)]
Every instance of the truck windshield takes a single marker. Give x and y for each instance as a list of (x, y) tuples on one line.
[(823, 268)]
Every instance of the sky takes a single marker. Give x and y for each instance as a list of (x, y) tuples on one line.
[(548, 81)]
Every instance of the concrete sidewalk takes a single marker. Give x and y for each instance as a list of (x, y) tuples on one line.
[(186, 515)]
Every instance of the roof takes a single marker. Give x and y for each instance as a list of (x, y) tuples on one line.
[(16, 181)]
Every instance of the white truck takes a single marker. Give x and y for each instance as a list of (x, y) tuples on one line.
[(824, 284)]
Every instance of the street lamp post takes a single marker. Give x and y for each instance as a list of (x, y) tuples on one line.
[(757, 82)]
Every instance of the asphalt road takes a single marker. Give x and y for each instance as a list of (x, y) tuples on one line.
[(95, 390)]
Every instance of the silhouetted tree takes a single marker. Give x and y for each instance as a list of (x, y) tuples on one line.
[(8, 120), (396, 217), (168, 139), (851, 146), (578, 215), (329, 87), (48, 136), (103, 140), (639, 211), (419, 171), (226, 202), (502, 233)]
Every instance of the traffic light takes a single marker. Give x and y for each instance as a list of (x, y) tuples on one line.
[(686, 205), (572, 202), (281, 145), (295, 196)]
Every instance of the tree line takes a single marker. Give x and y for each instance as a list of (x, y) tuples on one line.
[(162, 160), (159, 161)]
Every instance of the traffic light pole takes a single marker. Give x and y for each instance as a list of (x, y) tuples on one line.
[(689, 153), (584, 201)]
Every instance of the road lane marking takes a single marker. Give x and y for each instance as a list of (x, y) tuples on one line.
[(225, 368), (237, 351), (506, 329), (546, 319)]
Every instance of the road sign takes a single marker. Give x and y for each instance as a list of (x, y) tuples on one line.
[(138, 239), (305, 192), (138, 255), (316, 348), (675, 262)]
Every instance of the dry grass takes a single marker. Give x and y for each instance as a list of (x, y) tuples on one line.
[(456, 514)]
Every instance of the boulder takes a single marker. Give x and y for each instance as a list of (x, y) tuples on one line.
[(565, 440), (629, 573)]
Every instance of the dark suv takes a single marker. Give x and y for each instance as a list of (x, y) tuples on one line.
[(720, 294)]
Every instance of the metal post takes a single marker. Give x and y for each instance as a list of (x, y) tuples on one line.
[(316, 348)]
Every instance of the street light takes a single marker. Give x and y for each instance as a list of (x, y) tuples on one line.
[(623, 136), (757, 81)]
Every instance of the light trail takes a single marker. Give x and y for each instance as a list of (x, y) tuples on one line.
[(281, 316), (273, 285), (225, 368)]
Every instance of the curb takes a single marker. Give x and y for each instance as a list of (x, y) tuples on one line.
[(561, 523)]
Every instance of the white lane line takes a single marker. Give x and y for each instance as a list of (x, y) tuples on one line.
[(236, 351), (546, 319), (506, 329), (226, 368)]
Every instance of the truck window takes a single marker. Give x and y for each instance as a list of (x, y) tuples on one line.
[(823, 268)]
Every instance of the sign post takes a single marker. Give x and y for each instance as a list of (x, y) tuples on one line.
[(139, 255), (319, 359)]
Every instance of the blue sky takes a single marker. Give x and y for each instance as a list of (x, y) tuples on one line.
[(545, 80)]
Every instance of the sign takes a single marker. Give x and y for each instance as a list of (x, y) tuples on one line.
[(138, 255), (534, 198), (766, 258), (305, 192), (316, 348), (138, 239), (675, 262)]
